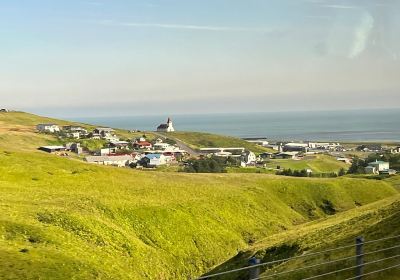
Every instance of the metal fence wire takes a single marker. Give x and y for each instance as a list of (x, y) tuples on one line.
[(362, 259)]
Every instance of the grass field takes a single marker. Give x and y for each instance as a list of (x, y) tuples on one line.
[(198, 140), (317, 163), (64, 219)]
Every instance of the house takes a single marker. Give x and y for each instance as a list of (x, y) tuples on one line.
[(74, 147), (73, 131), (286, 155), (119, 161), (370, 148), (48, 127), (161, 146), (3, 110), (395, 150), (166, 127), (142, 145), (121, 145), (104, 132), (169, 156), (248, 157), (153, 160), (295, 147), (108, 151), (52, 149), (377, 167)]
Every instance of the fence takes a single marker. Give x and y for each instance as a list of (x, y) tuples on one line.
[(385, 256)]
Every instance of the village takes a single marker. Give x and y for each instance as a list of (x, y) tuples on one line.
[(163, 150)]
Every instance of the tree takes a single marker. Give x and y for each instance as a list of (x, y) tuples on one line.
[(342, 172), (357, 167)]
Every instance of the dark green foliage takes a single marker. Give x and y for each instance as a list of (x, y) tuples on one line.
[(358, 166), (295, 173), (208, 165), (342, 172)]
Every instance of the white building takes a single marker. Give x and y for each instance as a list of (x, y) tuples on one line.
[(119, 161), (261, 142), (48, 127), (155, 159), (249, 157), (377, 167), (166, 127), (161, 146)]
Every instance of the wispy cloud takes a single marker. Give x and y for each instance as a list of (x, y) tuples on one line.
[(181, 26), (332, 6)]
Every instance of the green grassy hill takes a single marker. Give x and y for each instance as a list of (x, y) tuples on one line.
[(197, 140), (373, 221), (317, 163), (61, 218)]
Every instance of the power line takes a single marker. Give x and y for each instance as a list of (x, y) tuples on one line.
[(273, 262), (375, 271), (303, 268), (352, 267), (381, 239), (324, 263), (296, 257)]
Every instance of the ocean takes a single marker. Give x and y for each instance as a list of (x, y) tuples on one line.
[(355, 125)]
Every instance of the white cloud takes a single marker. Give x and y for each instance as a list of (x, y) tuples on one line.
[(361, 35), (181, 26), (340, 6)]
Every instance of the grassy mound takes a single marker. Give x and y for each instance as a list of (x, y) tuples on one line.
[(198, 140), (317, 163)]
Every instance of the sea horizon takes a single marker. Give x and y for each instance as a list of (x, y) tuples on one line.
[(358, 125)]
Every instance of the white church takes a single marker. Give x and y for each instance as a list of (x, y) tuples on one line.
[(166, 127)]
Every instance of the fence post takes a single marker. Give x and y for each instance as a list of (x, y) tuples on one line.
[(359, 257), (254, 273)]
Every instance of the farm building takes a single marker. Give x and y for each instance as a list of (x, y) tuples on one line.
[(52, 149), (48, 127)]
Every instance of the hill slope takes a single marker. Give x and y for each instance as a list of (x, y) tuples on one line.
[(62, 219), (197, 140), (118, 223), (373, 221)]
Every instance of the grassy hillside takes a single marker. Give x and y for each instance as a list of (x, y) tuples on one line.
[(18, 130), (64, 219), (198, 140), (373, 221), (317, 163)]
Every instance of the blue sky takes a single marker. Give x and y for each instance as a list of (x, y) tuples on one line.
[(120, 57)]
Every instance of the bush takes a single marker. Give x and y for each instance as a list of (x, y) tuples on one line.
[(209, 165)]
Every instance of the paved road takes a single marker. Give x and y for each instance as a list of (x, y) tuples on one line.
[(182, 145)]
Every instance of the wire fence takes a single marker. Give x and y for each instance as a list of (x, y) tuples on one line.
[(384, 257)]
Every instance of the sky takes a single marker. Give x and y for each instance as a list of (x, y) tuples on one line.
[(153, 57)]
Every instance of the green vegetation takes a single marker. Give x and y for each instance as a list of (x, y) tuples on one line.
[(317, 163), (61, 218), (197, 140), (207, 165), (84, 221), (373, 221)]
